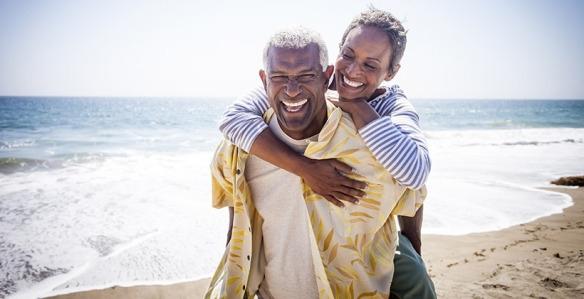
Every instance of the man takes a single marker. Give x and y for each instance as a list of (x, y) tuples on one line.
[(327, 251)]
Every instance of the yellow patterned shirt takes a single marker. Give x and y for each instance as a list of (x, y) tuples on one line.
[(352, 247)]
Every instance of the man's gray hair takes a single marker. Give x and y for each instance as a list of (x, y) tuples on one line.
[(297, 38)]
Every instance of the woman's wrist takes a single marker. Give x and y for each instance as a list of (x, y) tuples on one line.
[(361, 112), (299, 165)]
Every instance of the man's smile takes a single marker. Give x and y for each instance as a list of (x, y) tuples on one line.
[(294, 106)]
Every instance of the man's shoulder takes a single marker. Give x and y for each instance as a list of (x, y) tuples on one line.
[(227, 153)]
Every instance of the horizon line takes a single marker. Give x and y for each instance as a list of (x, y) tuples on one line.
[(235, 96)]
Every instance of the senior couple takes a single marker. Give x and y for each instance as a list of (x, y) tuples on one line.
[(314, 179)]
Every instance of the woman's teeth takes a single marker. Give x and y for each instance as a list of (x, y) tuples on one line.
[(294, 106), (351, 83)]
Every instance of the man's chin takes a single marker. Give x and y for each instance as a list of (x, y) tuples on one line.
[(293, 127), (293, 117)]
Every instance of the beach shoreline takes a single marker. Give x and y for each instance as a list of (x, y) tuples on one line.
[(542, 259)]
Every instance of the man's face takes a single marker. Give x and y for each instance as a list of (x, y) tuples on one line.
[(295, 85)]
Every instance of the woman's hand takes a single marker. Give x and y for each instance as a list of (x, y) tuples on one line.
[(329, 179), (361, 112), (325, 177)]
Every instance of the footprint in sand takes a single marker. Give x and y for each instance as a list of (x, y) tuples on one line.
[(551, 284), (495, 286)]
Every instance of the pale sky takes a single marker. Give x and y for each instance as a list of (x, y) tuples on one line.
[(456, 49)]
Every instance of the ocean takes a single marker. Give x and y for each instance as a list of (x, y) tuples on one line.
[(103, 191)]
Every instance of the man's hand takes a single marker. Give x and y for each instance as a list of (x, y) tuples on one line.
[(328, 178)]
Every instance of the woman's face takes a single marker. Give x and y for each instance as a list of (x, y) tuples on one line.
[(363, 63)]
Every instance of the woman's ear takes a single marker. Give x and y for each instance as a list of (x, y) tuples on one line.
[(392, 73)]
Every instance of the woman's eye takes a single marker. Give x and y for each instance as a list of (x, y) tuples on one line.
[(370, 67), (346, 56)]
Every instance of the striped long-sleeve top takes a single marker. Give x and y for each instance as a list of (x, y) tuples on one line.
[(395, 138)]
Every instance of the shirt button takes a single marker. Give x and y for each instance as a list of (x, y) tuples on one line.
[(244, 287), (238, 171), (248, 257)]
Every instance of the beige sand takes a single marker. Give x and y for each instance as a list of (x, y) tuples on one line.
[(541, 259)]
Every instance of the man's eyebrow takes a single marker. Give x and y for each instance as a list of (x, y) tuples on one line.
[(300, 72), (277, 72), (309, 70)]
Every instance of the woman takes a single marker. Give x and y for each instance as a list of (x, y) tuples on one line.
[(371, 49)]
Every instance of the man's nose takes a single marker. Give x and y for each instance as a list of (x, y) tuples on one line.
[(292, 88)]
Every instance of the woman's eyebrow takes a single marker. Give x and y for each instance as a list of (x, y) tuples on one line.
[(349, 48), (368, 58)]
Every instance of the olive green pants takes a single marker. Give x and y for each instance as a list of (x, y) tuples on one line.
[(410, 278)]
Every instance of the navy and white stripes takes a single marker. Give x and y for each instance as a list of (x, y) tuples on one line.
[(395, 139), (243, 122)]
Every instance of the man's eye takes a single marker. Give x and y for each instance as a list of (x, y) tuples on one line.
[(278, 78), (306, 77), (346, 56)]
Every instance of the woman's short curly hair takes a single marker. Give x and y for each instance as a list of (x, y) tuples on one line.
[(387, 23)]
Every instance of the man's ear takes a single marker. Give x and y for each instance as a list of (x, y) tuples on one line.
[(262, 74), (328, 73), (392, 73)]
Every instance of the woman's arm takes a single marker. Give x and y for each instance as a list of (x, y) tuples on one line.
[(411, 228), (244, 126), (390, 128), (242, 121)]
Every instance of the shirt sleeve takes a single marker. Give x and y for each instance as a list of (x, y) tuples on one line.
[(222, 177), (410, 201), (396, 140), (242, 122)]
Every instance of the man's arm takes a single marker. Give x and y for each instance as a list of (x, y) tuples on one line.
[(411, 228), (243, 125)]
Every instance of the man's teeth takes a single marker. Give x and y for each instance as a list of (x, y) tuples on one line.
[(294, 106), (351, 83)]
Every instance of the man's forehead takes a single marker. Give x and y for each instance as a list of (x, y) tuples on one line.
[(281, 59)]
